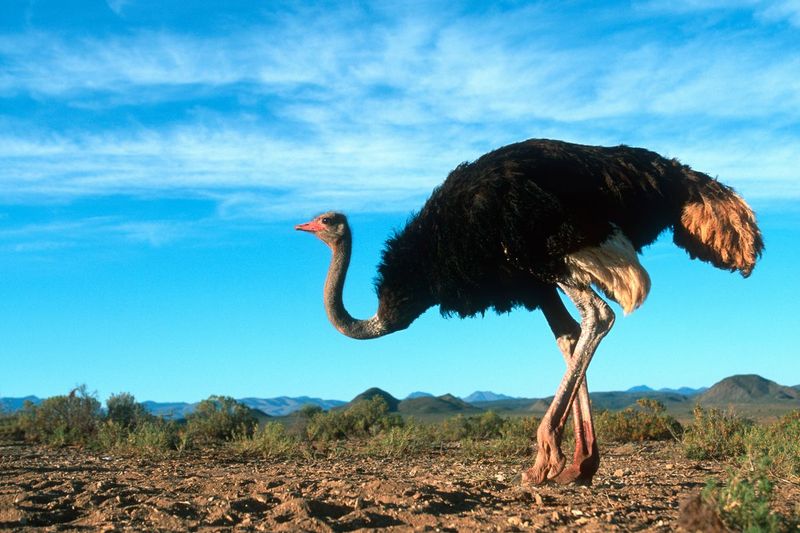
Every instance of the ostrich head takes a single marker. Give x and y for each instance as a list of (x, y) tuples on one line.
[(331, 228)]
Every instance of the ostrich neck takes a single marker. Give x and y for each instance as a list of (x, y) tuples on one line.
[(334, 306)]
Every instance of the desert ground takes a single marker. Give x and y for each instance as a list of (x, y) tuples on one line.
[(639, 487)]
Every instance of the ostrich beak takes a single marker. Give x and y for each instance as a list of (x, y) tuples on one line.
[(311, 227)]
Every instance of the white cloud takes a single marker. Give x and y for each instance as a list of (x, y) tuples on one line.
[(453, 71), (372, 116), (788, 10), (117, 6), (39, 237)]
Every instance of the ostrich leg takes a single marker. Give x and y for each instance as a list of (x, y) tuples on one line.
[(596, 321), (586, 459)]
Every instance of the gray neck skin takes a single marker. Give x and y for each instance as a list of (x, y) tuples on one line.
[(332, 296)]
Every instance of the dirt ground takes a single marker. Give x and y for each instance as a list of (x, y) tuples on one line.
[(639, 487)]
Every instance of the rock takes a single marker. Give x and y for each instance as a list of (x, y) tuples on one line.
[(698, 515)]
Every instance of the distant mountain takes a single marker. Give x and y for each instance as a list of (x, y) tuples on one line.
[(486, 396), (446, 403), (540, 406), (741, 389), (10, 405), (505, 406), (284, 405), (279, 406), (613, 401), (686, 391), (169, 410), (368, 394), (748, 388)]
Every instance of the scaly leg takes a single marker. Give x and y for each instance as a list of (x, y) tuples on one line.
[(597, 318), (586, 459)]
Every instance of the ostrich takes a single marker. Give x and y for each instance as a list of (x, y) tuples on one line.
[(527, 220)]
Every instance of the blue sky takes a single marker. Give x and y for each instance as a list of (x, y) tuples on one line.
[(155, 155)]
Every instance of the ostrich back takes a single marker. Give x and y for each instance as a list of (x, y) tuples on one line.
[(495, 233)]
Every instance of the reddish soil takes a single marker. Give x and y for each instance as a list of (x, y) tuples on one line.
[(638, 487)]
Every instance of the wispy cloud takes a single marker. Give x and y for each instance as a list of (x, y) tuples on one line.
[(768, 11), (90, 231), (117, 6), (369, 113)]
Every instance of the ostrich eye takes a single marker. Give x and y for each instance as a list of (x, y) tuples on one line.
[(326, 220)]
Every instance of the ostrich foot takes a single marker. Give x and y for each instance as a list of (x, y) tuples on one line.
[(549, 463), (584, 463)]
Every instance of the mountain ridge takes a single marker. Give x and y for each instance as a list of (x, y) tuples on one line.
[(747, 388), (741, 388), (446, 403), (486, 396)]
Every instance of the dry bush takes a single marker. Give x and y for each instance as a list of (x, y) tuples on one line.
[(361, 420), (61, 420), (270, 441), (761, 453), (220, 419), (715, 434), (648, 421), (777, 447)]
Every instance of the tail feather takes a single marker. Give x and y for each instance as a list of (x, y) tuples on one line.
[(718, 226)]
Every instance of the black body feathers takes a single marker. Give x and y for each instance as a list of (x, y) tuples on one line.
[(495, 233)]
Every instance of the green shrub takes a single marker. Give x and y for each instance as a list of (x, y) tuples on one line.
[(521, 427), (648, 421), (331, 426), (61, 420), (220, 418), (309, 411), (401, 441), (372, 416), (129, 428), (361, 420), (123, 409), (111, 435), (453, 429), (761, 452), (270, 441), (156, 436), (776, 446), (743, 502), (517, 436), (9, 427), (150, 437), (488, 425), (714, 434)]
